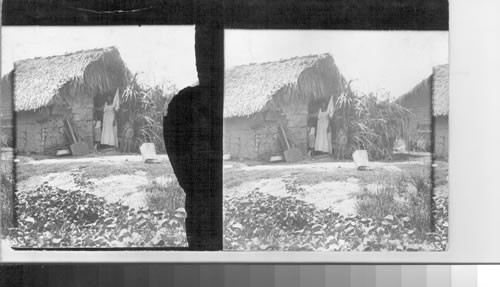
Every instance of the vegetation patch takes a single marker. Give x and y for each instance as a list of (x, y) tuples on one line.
[(408, 196), (258, 221), (50, 217), (370, 123), (165, 194), (6, 196), (144, 106)]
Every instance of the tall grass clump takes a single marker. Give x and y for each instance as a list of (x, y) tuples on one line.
[(370, 122), (6, 196), (145, 106), (406, 196), (166, 195)]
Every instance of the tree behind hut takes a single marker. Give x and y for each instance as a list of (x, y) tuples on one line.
[(144, 107), (370, 123)]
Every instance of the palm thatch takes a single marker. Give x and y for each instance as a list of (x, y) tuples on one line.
[(37, 81), (434, 87), (440, 90), (249, 88)]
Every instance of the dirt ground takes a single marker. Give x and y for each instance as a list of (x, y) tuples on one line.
[(114, 177), (323, 182)]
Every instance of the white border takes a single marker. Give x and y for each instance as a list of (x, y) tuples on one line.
[(474, 170)]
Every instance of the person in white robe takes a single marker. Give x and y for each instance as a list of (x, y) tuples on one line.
[(322, 141), (323, 136), (109, 127)]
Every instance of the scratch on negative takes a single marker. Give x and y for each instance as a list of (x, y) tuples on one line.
[(112, 11)]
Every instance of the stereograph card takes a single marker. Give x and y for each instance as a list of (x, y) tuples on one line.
[(325, 134)]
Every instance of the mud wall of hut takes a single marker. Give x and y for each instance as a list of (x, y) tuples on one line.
[(296, 125), (43, 131), (441, 132), (238, 138), (257, 137)]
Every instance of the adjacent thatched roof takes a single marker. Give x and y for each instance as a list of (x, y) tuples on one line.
[(440, 90), (436, 85), (248, 88), (37, 81)]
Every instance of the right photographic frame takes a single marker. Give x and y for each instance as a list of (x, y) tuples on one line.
[(335, 140)]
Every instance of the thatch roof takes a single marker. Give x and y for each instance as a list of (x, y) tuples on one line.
[(436, 85), (440, 90), (249, 88), (37, 81)]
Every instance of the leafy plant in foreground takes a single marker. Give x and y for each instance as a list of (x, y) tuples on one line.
[(259, 221), (145, 107), (165, 194), (370, 122), (407, 195), (6, 196), (52, 217)]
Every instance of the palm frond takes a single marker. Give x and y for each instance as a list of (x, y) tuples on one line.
[(145, 107)]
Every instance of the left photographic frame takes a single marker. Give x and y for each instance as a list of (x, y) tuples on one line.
[(83, 145)]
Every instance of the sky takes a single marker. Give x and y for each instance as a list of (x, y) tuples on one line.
[(377, 61), (160, 54)]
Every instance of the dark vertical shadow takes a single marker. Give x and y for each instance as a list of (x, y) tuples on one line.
[(193, 136)]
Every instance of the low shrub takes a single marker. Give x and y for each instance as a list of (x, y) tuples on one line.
[(145, 106), (259, 221), (6, 197), (371, 122), (439, 236), (51, 217), (406, 195), (165, 195)]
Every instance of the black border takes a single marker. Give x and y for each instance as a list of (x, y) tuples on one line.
[(337, 14), (238, 14)]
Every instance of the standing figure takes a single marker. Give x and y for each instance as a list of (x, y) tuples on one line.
[(109, 129), (97, 134), (323, 142), (311, 134), (128, 135), (341, 142)]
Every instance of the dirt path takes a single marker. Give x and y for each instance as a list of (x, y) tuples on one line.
[(116, 178), (323, 183), (91, 159), (126, 188), (327, 194), (326, 166)]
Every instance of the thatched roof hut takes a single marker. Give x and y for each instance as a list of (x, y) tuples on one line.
[(428, 101), (259, 98), (49, 91), (440, 90), (437, 86), (249, 88), (37, 81)]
